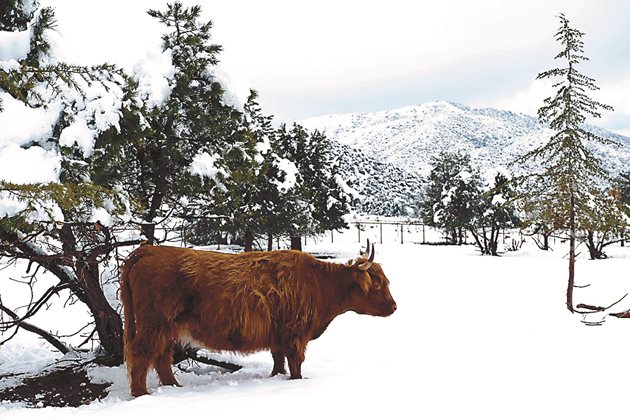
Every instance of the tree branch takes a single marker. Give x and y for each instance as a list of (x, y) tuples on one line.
[(591, 309), (181, 353), (36, 330)]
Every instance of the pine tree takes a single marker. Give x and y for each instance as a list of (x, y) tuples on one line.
[(319, 202), (453, 187), (248, 194), (568, 163), (16, 14), (55, 228), (623, 183), (541, 218), (624, 187), (160, 142), (493, 212), (605, 221), (273, 177)]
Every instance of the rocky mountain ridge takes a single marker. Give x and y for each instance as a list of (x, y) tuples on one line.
[(387, 153)]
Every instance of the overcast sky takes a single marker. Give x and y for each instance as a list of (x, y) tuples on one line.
[(309, 58)]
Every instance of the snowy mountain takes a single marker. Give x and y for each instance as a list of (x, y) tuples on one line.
[(408, 137), (403, 141)]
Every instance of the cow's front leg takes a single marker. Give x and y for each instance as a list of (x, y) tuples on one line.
[(295, 356), (278, 362)]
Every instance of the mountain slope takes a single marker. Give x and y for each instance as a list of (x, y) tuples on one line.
[(408, 137), (386, 154), (379, 188)]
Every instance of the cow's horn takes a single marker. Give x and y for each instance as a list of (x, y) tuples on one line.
[(366, 253), (364, 266)]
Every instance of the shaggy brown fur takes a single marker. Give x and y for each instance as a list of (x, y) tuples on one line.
[(278, 300)]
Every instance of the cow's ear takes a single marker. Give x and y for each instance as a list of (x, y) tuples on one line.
[(363, 280)]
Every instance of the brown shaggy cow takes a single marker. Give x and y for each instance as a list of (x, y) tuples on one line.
[(277, 300)]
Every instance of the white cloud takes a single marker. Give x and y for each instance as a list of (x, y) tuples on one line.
[(617, 94), (304, 57), (612, 92), (526, 100)]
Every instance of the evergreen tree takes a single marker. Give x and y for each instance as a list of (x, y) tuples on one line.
[(624, 196), (56, 227), (568, 163), (452, 191), (494, 211), (249, 196), (181, 151), (541, 218), (624, 187), (274, 177), (16, 14), (318, 202), (605, 222)]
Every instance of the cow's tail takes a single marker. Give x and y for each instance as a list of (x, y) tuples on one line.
[(127, 301)]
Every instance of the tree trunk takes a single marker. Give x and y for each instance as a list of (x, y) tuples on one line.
[(477, 240), (453, 236), (108, 322), (594, 247), (571, 282), (269, 241), (494, 241), (296, 243), (88, 289), (249, 240), (148, 230), (486, 251)]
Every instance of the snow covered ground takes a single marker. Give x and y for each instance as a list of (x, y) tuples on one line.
[(473, 338)]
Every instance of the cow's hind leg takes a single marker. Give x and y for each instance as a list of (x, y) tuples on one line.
[(278, 362), (295, 356), (163, 366), (138, 363), (145, 349)]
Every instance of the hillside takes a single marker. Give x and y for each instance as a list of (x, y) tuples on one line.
[(379, 188), (401, 143)]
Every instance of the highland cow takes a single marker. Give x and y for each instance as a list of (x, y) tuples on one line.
[(276, 300)]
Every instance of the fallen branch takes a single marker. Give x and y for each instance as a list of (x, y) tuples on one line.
[(592, 309), (182, 353)]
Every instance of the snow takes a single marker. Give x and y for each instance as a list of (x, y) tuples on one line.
[(464, 176), (409, 137), (345, 187), (474, 337), (102, 215), (153, 75), (14, 45), (80, 134), (262, 147), (31, 165), (22, 124), (290, 174), (498, 200), (204, 165), (236, 88)]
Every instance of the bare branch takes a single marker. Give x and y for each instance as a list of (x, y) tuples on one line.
[(187, 352), (36, 330)]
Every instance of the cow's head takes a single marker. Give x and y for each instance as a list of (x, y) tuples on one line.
[(370, 292)]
